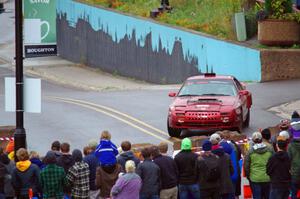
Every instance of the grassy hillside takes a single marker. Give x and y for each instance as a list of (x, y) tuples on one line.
[(212, 17)]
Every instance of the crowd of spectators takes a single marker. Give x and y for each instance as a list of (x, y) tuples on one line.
[(101, 170)]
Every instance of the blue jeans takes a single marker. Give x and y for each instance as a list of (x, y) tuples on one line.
[(260, 190), (279, 193), (148, 196), (294, 189), (188, 191)]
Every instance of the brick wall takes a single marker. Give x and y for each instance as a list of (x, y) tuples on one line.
[(280, 64)]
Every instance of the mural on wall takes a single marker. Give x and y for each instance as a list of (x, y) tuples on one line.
[(146, 50)]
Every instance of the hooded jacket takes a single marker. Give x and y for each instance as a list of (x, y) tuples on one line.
[(25, 176), (65, 161), (37, 162), (128, 155), (186, 162), (105, 181), (256, 162), (278, 168), (93, 163), (294, 154), (226, 186), (106, 152), (150, 175)]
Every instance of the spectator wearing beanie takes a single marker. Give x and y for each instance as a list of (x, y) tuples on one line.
[(294, 154), (55, 147), (266, 136), (150, 175), (106, 151), (168, 174), (295, 117), (226, 187), (65, 160), (215, 139), (126, 155), (278, 168), (52, 178), (186, 162), (78, 177), (255, 165), (93, 163), (25, 176), (128, 185), (209, 173)]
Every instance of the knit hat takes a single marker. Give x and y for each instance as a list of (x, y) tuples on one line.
[(266, 133), (226, 147), (281, 141), (285, 134), (256, 137), (50, 158), (186, 144), (295, 117), (295, 130), (206, 146), (215, 138), (93, 144), (10, 146), (77, 155)]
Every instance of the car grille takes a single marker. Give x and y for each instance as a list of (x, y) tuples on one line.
[(203, 116)]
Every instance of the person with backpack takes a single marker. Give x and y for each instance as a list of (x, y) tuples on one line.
[(209, 173)]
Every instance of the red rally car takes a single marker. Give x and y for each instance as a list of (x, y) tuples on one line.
[(208, 103)]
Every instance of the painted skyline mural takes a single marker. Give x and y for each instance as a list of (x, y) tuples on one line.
[(102, 34)]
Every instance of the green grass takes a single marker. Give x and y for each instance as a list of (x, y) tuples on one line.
[(208, 16)]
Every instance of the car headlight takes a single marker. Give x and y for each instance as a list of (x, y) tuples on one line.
[(238, 110)]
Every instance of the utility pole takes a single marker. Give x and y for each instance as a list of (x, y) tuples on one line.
[(20, 134)]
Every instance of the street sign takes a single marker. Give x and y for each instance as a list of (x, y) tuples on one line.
[(39, 28), (32, 95)]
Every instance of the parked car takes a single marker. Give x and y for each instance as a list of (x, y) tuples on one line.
[(209, 102)]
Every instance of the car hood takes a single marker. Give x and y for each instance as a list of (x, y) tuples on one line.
[(207, 103)]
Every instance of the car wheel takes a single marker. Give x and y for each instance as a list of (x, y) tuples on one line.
[(240, 127), (173, 132), (247, 121)]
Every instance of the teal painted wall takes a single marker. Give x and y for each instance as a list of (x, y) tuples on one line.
[(225, 58)]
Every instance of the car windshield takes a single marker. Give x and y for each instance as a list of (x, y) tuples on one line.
[(208, 87)]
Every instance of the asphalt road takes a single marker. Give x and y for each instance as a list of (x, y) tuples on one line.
[(77, 116)]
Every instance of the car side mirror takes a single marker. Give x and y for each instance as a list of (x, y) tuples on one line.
[(172, 94), (243, 92), (243, 85)]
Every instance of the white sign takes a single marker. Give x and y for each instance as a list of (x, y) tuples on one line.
[(31, 95)]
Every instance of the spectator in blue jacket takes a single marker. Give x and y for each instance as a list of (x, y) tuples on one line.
[(106, 151)]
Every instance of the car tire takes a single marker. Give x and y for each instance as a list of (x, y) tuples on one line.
[(240, 127), (247, 121), (174, 132)]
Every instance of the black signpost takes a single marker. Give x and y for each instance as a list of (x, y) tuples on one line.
[(20, 134)]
